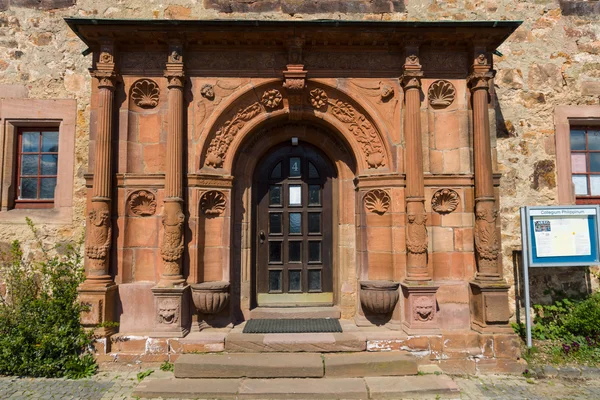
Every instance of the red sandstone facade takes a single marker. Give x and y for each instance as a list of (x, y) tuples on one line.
[(189, 123)]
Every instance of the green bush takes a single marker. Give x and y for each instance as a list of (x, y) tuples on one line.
[(40, 332), (584, 319)]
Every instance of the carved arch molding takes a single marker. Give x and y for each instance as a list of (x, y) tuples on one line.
[(322, 101)]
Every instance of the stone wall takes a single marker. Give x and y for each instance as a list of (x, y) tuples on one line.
[(553, 59)]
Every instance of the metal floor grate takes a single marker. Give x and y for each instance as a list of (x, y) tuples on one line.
[(313, 325)]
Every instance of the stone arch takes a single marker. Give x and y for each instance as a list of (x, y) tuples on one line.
[(254, 107)]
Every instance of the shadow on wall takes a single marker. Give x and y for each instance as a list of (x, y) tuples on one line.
[(549, 284)]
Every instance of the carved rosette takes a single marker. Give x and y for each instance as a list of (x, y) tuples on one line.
[(379, 297), (486, 236), (424, 308), (145, 93), (213, 203), (271, 98), (98, 237), (142, 203), (168, 311), (444, 201), (172, 246), (416, 238), (441, 94), (210, 297), (227, 132), (318, 98), (377, 201)]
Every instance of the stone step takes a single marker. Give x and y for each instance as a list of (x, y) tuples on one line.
[(268, 365), (284, 388), (295, 312), (294, 365)]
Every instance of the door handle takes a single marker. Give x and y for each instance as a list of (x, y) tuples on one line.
[(261, 236)]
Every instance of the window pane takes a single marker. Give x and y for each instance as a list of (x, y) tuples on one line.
[(295, 167), (577, 139), (295, 254), (28, 188), (30, 141), (312, 171), (578, 163), (314, 222), (275, 223), (47, 188), (314, 280), (276, 173), (275, 281), (296, 223), (275, 195), (49, 164), (595, 185), (580, 183), (314, 251), (314, 195), (295, 280), (594, 162), (295, 195), (29, 164), (275, 252), (593, 139), (50, 142)]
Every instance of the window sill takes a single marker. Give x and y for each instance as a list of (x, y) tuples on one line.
[(56, 216)]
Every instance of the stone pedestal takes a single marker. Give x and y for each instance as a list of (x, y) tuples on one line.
[(100, 301), (489, 307), (173, 315), (420, 309)]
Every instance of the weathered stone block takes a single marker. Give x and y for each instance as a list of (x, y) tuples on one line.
[(356, 365)]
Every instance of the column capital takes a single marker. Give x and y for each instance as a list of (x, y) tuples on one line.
[(480, 80), (411, 70), (104, 69), (106, 78), (174, 71)]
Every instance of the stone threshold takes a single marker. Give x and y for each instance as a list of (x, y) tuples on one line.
[(284, 388)]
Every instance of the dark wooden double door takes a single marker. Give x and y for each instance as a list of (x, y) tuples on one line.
[(294, 227)]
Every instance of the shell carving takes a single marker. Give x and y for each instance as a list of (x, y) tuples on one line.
[(441, 94), (377, 201), (142, 203), (444, 201), (213, 203), (145, 93)]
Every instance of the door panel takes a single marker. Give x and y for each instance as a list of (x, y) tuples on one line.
[(294, 227)]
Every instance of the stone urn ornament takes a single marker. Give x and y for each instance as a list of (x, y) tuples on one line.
[(379, 297), (210, 298)]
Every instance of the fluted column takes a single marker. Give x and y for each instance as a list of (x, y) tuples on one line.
[(99, 227), (416, 230), (485, 232), (173, 217)]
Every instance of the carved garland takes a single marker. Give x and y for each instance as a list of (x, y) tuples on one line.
[(377, 201), (444, 201), (142, 203), (441, 94), (213, 203), (145, 93), (98, 238), (486, 237)]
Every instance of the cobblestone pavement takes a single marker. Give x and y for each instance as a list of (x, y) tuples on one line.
[(118, 382)]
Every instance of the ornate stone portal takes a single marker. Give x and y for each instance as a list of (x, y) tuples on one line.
[(198, 121)]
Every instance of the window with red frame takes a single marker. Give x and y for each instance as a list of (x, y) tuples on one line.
[(37, 155), (585, 163)]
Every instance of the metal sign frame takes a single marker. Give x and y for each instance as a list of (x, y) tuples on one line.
[(529, 245)]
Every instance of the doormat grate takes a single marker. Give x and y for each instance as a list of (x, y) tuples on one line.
[(312, 325)]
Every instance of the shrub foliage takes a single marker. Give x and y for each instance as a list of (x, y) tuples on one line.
[(40, 331)]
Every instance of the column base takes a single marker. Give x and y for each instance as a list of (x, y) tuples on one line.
[(100, 300), (489, 307), (173, 314), (420, 309)]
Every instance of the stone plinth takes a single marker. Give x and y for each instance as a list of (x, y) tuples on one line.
[(489, 307), (100, 301), (172, 307), (420, 307)]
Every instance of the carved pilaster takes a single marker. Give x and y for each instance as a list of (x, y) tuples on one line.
[(98, 290), (295, 78)]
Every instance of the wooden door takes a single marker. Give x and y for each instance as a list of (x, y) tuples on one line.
[(294, 228)]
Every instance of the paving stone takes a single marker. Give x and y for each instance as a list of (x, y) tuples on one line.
[(550, 371), (351, 365), (590, 372), (189, 388), (265, 365), (412, 387), (569, 372), (334, 388)]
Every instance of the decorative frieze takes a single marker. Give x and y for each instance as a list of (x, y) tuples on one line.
[(142, 203), (145, 93), (441, 94), (377, 201), (444, 201), (212, 203)]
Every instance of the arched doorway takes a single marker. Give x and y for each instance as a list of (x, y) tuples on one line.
[(293, 228)]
